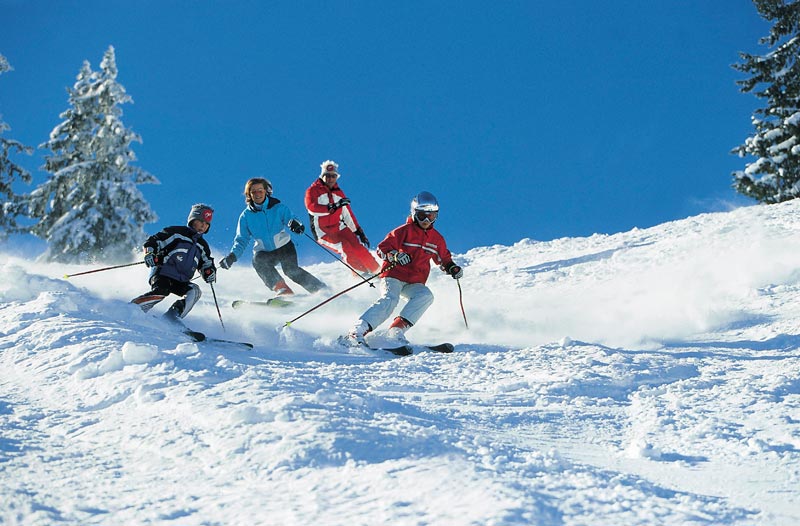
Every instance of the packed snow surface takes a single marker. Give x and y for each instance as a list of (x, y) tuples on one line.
[(642, 378)]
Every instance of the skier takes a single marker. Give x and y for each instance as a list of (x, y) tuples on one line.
[(264, 219), (174, 254), (333, 222), (407, 252)]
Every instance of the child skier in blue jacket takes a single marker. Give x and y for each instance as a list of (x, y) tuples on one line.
[(174, 254)]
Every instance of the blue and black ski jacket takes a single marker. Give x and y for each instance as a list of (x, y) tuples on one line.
[(182, 250)]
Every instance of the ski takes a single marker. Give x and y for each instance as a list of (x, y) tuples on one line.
[(196, 336), (405, 350), (245, 345), (442, 347), (272, 302), (402, 350), (200, 337)]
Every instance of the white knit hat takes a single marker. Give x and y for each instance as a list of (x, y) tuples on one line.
[(328, 167)]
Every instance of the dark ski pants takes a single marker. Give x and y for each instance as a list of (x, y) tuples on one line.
[(286, 257), (162, 287)]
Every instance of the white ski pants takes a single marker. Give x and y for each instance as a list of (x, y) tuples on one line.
[(418, 295)]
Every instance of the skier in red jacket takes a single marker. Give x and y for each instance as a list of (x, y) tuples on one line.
[(407, 252), (333, 222)]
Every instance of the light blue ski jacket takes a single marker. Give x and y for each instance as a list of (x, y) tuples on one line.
[(265, 224)]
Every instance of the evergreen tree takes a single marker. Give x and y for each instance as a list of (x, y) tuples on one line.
[(775, 77), (12, 204), (90, 209)]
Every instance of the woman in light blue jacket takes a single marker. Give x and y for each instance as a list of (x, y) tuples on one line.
[(263, 220)]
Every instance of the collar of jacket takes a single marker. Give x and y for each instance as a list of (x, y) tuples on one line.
[(270, 202), (331, 189)]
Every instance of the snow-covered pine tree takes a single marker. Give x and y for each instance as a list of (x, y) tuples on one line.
[(12, 204), (775, 77), (91, 209)]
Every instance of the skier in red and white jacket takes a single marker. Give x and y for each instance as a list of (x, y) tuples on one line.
[(407, 251), (333, 222)]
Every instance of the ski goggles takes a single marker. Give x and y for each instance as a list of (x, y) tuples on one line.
[(423, 216)]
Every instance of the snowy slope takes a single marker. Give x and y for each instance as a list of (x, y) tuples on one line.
[(648, 377)]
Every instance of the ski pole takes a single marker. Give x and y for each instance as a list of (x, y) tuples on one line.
[(343, 262), (214, 293), (348, 289), (102, 269), (461, 301)]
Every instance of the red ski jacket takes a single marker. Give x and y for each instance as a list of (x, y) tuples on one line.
[(323, 221), (422, 245)]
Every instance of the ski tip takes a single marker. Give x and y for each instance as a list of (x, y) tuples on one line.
[(245, 345), (196, 336), (442, 347)]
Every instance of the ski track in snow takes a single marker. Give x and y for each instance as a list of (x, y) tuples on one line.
[(647, 377)]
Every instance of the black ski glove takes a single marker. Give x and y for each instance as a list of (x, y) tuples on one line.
[(338, 204), (296, 226), (362, 237), (228, 261)]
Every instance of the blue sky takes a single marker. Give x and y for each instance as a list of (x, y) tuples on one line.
[(526, 119)]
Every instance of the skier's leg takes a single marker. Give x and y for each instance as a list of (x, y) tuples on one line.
[(419, 297), (148, 300), (191, 293), (383, 306), (288, 259), (356, 255), (332, 242), (159, 289), (264, 263), (377, 312)]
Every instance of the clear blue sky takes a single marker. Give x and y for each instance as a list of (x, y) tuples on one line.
[(527, 119)]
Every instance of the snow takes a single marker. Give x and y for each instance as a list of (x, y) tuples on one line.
[(642, 378)]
